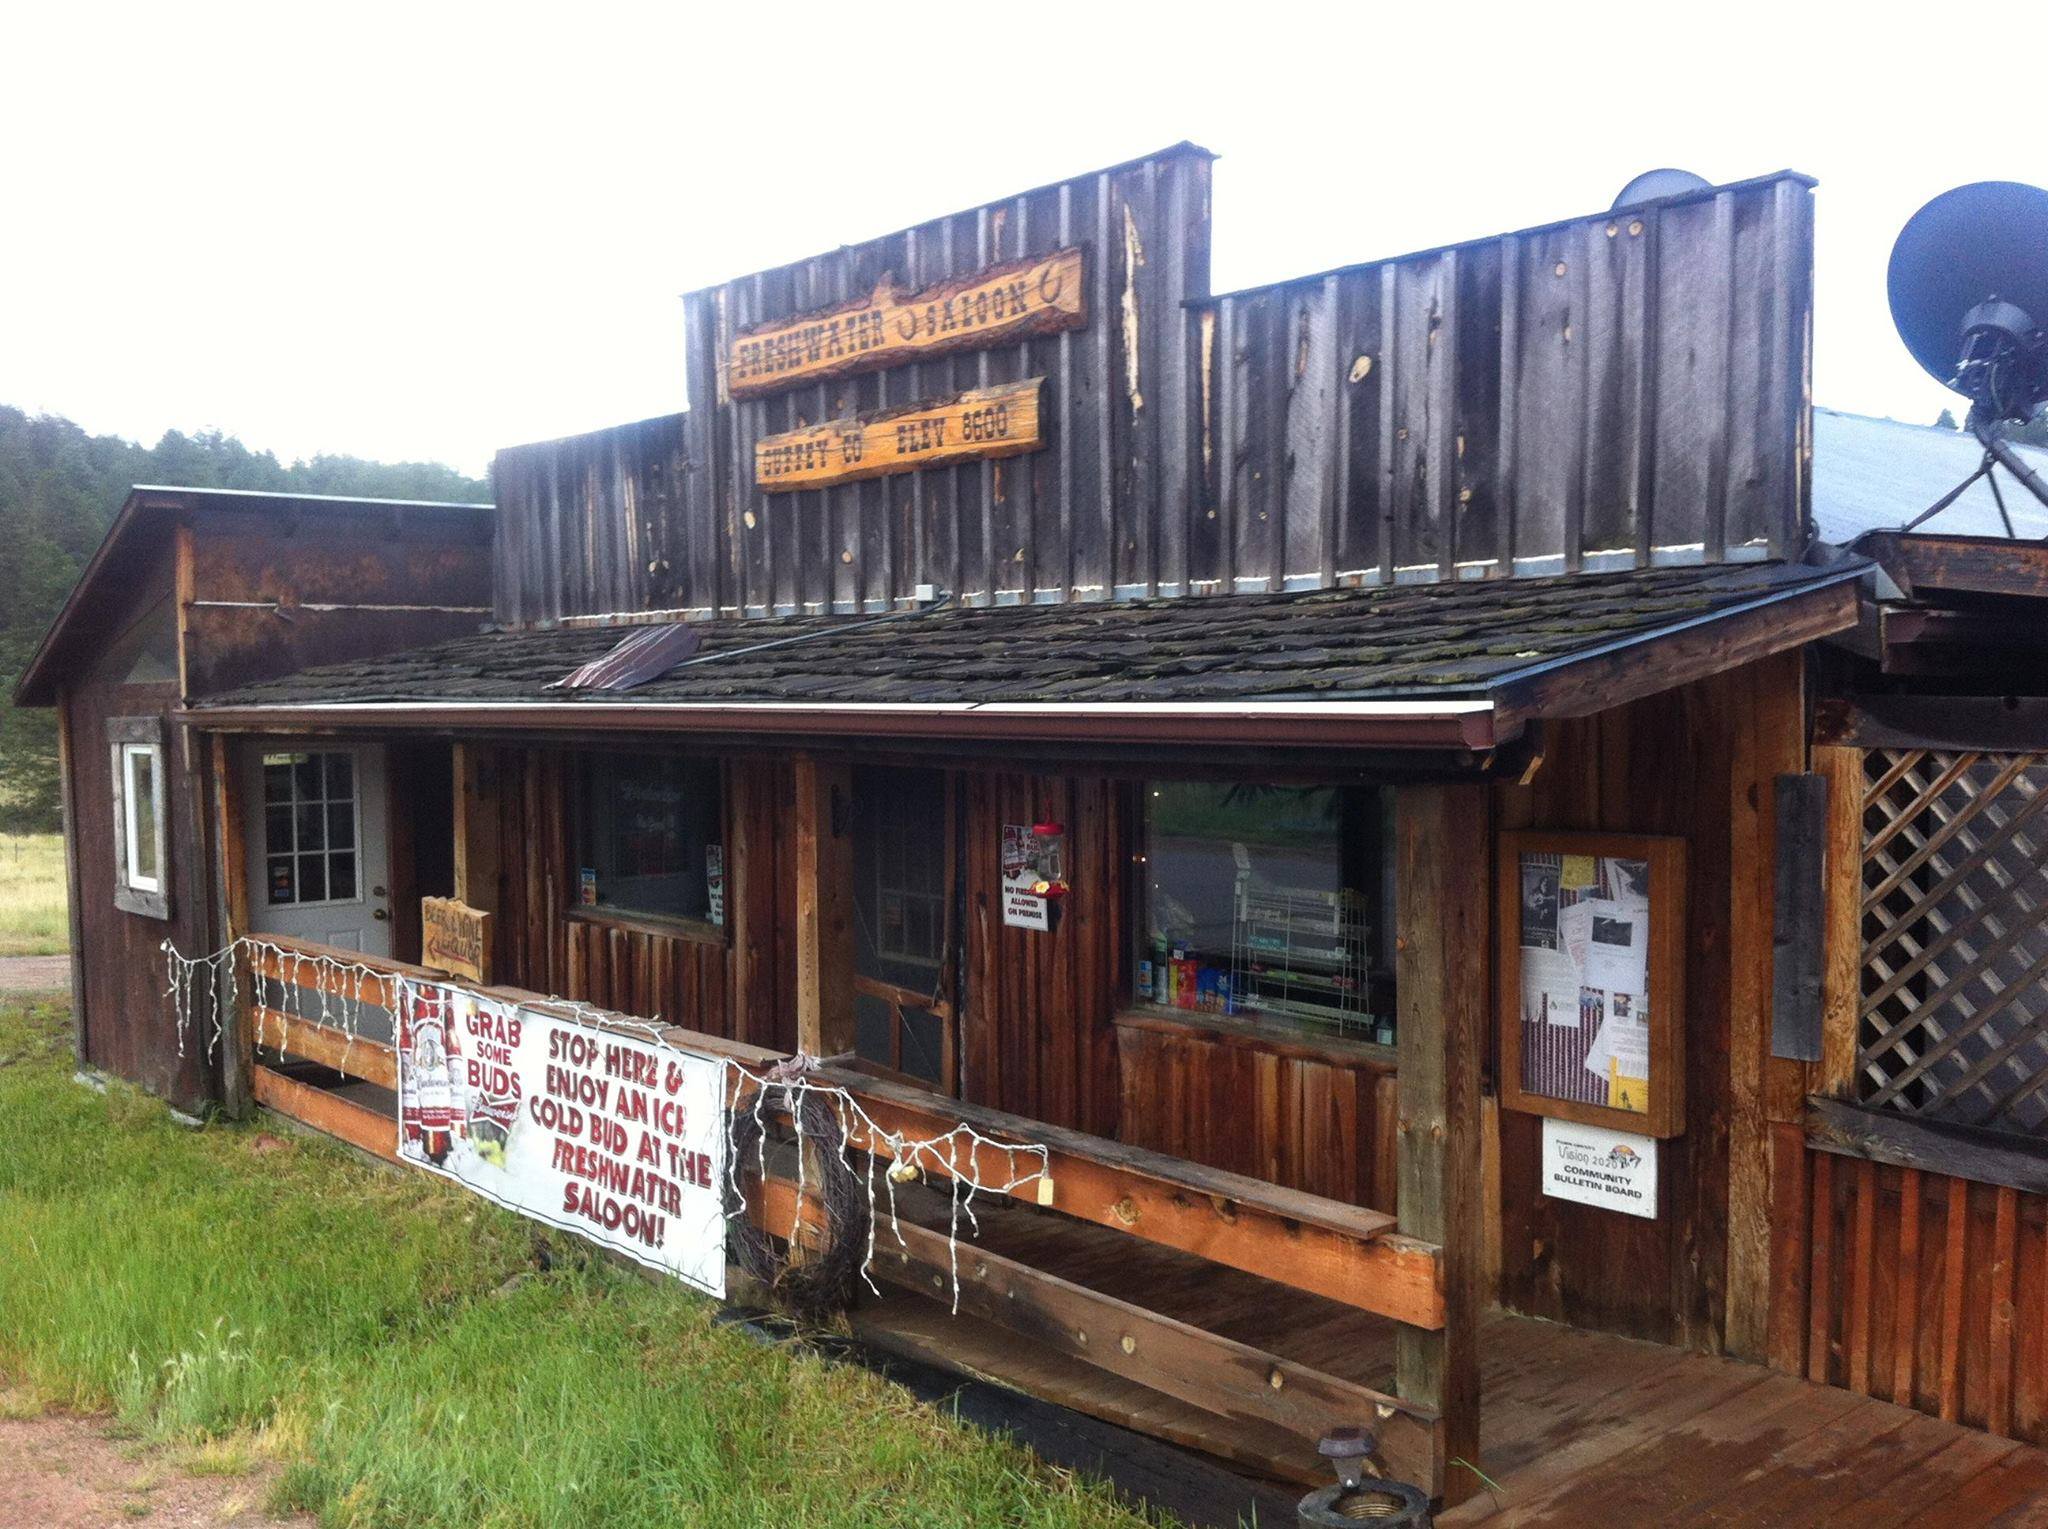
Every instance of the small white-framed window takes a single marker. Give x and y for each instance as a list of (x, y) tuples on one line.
[(141, 844), (142, 768)]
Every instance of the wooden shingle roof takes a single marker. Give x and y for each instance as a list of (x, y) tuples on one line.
[(1433, 640)]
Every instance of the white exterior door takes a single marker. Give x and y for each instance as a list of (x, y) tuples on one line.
[(317, 843)]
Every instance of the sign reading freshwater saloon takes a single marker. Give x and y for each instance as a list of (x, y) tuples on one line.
[(1614, 1170), (999, 421), (455, 938), (1039, 295), (614, 1139)]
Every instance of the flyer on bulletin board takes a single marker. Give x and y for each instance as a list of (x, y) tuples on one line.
[(1585, 989)]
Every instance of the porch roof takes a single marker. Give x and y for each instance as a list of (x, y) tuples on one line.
[(1458, 664)]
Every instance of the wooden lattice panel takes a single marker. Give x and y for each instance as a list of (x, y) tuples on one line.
[(1955, 929)]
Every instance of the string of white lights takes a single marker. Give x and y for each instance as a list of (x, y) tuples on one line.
[(346, 988)]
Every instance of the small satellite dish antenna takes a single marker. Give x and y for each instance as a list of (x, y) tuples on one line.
[(1655, 185), (1969, 292)]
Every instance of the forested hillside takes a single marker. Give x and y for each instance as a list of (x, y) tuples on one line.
[(59, 490)]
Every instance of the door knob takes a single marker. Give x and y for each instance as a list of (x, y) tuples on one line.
[(381, 913)]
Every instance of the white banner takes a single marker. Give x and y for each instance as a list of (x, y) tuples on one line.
[(615, 1139)]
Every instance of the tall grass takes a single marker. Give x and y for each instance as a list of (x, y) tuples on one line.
[(421, 1358), (32, 916)]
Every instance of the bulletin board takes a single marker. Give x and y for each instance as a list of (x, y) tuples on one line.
[(1591, 962)]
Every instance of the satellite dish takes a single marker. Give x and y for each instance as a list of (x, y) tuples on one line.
[(1655, 185), (1969, 294)]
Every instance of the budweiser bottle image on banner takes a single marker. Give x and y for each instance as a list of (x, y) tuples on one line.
[(435, 1090)]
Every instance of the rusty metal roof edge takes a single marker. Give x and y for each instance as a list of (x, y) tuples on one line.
[(249, 495), (1466, 723)]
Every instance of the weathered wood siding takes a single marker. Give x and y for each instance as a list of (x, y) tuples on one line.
[(1623, 389), (128, 1029), (1272, 1107), (741, 986), (1038, 1034), (1607, 391), (1698, 762), (1918, 1288)]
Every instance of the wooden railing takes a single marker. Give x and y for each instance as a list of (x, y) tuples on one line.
[(1341, 1252)]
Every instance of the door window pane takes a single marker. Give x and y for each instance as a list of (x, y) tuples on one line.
[(310, 827)]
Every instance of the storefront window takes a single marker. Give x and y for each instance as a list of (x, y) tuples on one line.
[(650, 836), (1269, 903)]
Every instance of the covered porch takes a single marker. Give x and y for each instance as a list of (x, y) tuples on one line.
[(1181, 1312), (1326, 1152)]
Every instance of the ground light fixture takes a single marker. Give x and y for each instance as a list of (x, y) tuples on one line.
[(1361, 1495)]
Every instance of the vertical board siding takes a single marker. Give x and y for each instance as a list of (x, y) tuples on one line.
[(131, 1029), (742, 987), (1620, 384), (1038, 1034), (1320, 1125), (1922, 1289), (1629, 387), (1694, 762)]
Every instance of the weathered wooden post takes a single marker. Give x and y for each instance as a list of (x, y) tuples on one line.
[(1443, 977)]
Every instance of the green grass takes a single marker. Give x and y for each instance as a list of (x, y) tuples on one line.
[(398, 1346), (32, 921)]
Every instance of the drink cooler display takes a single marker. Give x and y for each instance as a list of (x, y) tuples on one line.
[(1302, 954)]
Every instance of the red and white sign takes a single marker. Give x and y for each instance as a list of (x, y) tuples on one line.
[(615, 1139)]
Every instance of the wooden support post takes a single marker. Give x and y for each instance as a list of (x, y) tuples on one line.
[(1841, 920), (476, 826), (230, 921), (476, 834), (824, 908), (1443, 976)]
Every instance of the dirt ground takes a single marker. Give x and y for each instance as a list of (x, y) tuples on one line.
[(35, 974), (65, 1473)]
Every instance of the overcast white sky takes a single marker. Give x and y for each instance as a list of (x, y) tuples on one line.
[(425, 231)]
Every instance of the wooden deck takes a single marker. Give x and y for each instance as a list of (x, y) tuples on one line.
[(1578, 1428)]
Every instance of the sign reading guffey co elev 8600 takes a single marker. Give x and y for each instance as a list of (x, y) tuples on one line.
[(612, 1138)]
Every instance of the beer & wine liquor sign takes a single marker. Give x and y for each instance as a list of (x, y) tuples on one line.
[(1000, 421), (1042, 294), (615, 1139)]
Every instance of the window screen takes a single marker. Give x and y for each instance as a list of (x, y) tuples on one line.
[(650, 834), (1269, 902)]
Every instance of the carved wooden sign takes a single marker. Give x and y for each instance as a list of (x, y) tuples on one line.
[(455, 938), (1039, 295), (999, 421)]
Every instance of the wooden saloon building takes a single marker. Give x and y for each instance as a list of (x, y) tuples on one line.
[(1376, 772)]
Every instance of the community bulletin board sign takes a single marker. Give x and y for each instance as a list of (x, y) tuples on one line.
[(599, 1134), (1592, 971)]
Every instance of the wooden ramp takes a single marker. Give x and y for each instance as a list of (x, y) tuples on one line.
[(1577, 1429)]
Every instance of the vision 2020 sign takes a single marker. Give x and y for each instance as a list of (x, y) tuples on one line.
[(612, 1138)]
